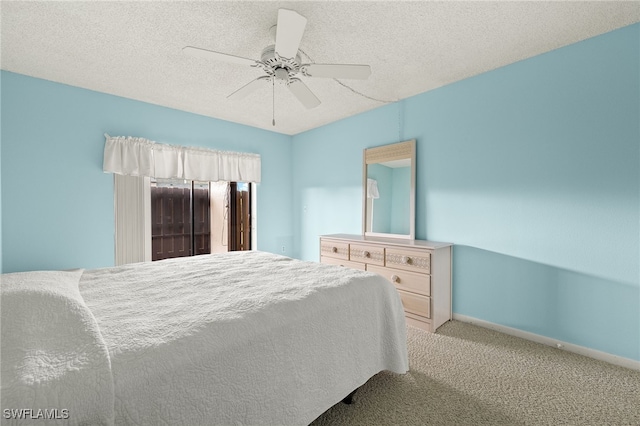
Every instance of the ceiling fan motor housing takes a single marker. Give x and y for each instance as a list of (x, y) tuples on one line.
[(273, 62)]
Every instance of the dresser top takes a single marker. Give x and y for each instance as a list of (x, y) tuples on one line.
[(405, 242)]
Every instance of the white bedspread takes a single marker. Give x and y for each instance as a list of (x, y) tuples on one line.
[(242, 337), (55, 365)]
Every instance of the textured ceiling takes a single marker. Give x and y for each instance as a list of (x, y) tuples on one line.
[(133, 49)]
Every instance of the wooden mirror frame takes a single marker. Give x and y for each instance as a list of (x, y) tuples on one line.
[(381, 154)]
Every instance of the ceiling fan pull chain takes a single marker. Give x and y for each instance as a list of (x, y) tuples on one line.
[(273, 81)]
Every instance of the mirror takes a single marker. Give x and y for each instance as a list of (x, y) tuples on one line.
[(389, 175)]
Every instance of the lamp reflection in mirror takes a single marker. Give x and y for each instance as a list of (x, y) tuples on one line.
[(392, 187)]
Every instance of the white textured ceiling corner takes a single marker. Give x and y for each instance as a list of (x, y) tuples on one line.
[(134, 49)]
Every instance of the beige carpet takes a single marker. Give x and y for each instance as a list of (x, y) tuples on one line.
[(469, 375)]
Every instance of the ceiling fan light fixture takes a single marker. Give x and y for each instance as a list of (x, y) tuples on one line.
[(281, 75)]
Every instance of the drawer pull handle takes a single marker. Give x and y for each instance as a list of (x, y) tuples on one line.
[(406, 260), (334, 249), (395, 279), (365, 253)]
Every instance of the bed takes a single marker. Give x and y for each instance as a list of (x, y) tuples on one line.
[(231, 338)]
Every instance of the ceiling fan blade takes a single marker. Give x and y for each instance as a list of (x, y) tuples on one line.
[(303, 93), (356, 72), (217, 56), (289, 32), (250, 88)]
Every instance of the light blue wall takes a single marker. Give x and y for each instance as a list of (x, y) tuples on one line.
[(57, 204), (327, 191), (532, 170)]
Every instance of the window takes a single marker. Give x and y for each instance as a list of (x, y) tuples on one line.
[(180, 218), (231, 223), (191, 218)]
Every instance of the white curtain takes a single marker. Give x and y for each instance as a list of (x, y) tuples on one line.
[(132, 202), (141, 157)]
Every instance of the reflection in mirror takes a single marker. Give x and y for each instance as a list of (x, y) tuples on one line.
[(388, 185), (389, 190)]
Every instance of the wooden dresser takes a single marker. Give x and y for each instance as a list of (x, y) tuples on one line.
[(420, 271)]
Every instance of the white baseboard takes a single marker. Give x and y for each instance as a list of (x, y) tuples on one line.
[(591, 353)]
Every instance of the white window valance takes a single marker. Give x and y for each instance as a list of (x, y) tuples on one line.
[(132, 156)]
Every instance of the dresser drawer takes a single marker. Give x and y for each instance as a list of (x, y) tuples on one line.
[(334, 249), (341, 262), (408, 260), (373, 255), (405, 280), (416, 304)]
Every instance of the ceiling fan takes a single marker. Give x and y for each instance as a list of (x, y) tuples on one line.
[(282, 62)]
